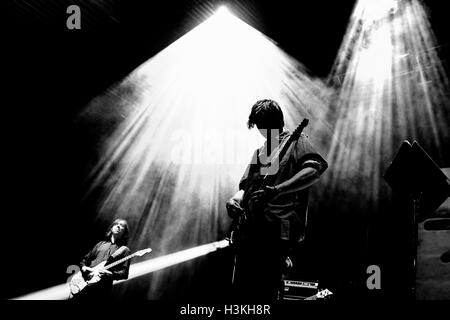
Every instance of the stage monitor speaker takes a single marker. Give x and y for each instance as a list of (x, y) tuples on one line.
[(433, 254), (298, 289)]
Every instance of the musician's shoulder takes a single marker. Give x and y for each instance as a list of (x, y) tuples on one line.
[(126, 251), (99, 243)]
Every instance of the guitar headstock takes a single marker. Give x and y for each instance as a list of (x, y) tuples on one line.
[(323, 293), (140, 253), (300, 128)]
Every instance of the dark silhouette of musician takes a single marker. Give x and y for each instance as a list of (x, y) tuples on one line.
[(270, 208), (111, 249)]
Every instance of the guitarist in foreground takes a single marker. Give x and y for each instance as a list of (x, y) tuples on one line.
[(270, 209), (111, 249)]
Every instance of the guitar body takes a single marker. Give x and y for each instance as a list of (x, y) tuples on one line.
[(78, 283)]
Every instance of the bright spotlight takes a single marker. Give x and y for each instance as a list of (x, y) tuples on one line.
[(392, 86), (377, 10), (62, 291), (223, 11), (180, 142)]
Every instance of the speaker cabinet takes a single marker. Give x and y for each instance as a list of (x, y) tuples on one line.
[(433, 254)]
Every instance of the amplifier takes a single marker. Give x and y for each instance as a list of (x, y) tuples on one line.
[(298, 289)]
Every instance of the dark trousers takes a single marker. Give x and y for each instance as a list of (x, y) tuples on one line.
[(258, 269)]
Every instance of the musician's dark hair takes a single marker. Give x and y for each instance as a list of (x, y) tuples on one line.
[(266, 114), (126, 233)]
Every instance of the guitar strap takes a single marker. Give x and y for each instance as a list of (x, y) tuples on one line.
[(269, 179), (285, 228), (286, 148)]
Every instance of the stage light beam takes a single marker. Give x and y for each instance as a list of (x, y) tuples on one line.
[(62, 291), (392, 86), (180, 142)]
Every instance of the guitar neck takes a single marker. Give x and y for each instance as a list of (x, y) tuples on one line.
[(119, 261), (282, 149), (320, 294)]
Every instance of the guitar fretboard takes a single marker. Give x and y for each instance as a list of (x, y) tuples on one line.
[(111, 265), (283, 148)]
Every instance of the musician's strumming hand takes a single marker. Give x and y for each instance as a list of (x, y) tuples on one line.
[(262, 196), (271, 191), (85, 269), (265, 194), (288, 263), (87, 272), (104, 273), (234, 209)]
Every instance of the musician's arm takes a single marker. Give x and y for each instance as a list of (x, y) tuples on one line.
[(121, 271), (86, 269), (309, 166), (301, 180), (87, 259), (83, 263), (233, 205), (238, 196), (121, 274), (236, 199)]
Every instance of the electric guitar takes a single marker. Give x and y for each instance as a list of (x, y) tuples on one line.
[(78, 282), (320, 295), (243, 215)]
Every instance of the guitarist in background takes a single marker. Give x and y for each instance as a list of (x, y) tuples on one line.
[(111, 249), (270, 208)]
